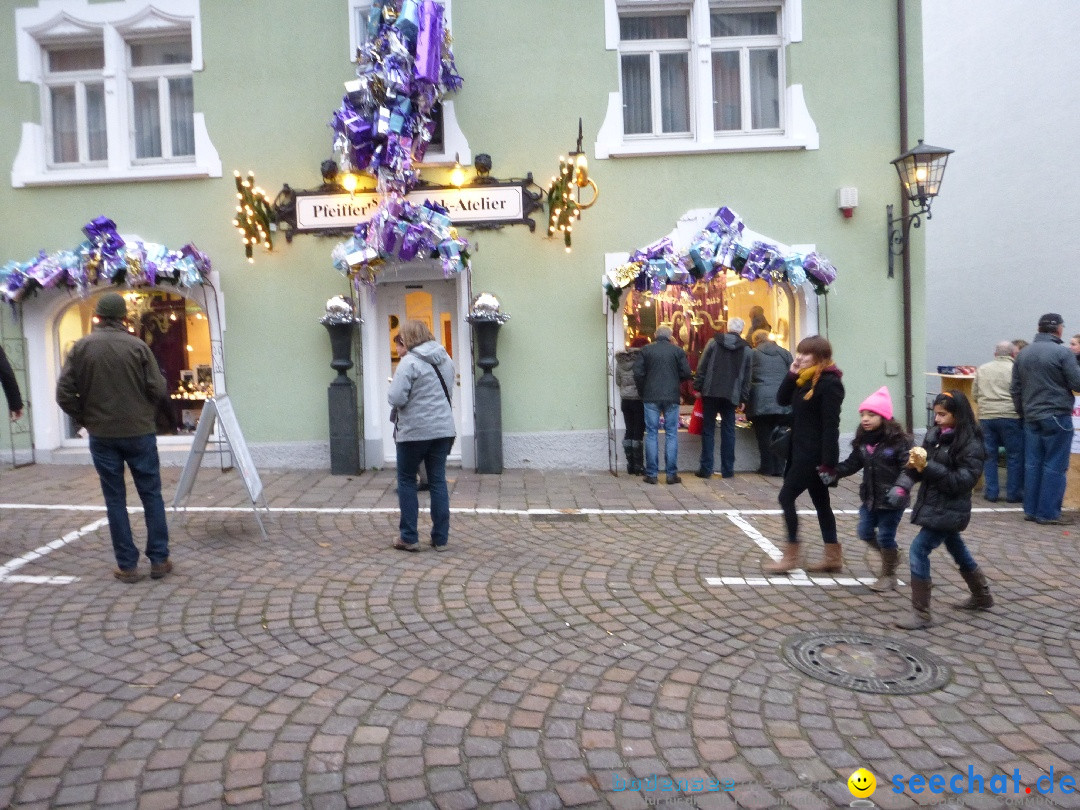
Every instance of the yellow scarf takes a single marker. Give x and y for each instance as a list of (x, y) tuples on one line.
[(811, 374)]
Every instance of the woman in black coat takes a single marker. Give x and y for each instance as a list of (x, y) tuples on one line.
[(815, 393)]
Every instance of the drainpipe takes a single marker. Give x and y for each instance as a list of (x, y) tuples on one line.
[(905, 210)]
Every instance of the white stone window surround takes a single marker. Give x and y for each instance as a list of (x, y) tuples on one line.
[(56, 22), (455, 144), (799, 130)]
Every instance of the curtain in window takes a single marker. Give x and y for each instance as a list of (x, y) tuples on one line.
[(97, 140), (147, 120), (64, 125), (727, 91), (182, 113), (674, 92), (764, 89), (636, 95)]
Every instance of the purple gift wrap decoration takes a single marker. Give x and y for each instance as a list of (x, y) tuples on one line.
[(429, 43), (819, 268)]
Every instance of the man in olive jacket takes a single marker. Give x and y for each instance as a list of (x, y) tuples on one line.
[(110, 385), (658, 370)]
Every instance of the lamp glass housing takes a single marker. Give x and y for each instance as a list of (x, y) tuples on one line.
[(921, 170)]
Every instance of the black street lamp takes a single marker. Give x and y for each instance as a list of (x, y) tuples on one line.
[(920, 170)]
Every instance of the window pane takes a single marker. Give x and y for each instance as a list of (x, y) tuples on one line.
[(652, 27), (64, 130), (161, 52), (675, 92), (743, 23), (95, 122), (637, 99), (82, 57), (147, 120), (182, 113), (727, 94), (764, 89)]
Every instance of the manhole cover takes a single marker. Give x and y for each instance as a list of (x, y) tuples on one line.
[(866, 663)]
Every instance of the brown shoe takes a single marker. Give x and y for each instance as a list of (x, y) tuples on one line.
[(127, 575), (159, 570)]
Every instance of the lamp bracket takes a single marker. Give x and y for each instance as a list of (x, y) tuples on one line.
[(898, 230)]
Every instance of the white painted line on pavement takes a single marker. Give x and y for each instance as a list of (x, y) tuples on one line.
[(41, 551), (801, 581)]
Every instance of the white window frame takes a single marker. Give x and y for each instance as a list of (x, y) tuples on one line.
[(160, 74), (58, 22), (654, 48), (455, 144), (77, 80), (797, 127), (743, 46)]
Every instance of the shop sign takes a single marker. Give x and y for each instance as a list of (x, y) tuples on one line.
[(488, 205)]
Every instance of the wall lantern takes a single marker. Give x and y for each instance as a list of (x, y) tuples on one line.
[(564, 193), (920, 170)]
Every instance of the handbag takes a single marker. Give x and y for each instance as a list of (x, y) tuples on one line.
[(697, 417), (780, 441)]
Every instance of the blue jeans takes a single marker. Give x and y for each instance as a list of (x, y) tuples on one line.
[(878, 526), (433, 453), (1046, 460), (711, 406), (1007, 433), (929, 539), (141, 455), (652, 437)]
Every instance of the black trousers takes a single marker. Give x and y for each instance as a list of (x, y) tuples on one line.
[(633, 412), (804, 478), (763, 428)]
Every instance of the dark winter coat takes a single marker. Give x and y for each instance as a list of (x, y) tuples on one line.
[(111, 383), (658, 370), (944, 499), (723, 371), (1044, 376), (881, 467), (768, 367), (815, 422), (10, 384)]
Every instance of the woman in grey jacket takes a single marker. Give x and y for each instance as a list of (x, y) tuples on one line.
[(420, 395), (768, 368)]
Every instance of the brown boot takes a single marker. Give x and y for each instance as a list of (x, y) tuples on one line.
[(789, 562), (887, 580), (833, 562), (920, 606), (980, 598)]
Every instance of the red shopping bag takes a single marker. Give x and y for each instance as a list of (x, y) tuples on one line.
[(697, 417)]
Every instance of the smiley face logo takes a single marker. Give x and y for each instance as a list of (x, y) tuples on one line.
[(862, 783)]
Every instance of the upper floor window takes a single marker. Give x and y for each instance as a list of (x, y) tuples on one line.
[(448, 142), (703, 75), (117, 92)]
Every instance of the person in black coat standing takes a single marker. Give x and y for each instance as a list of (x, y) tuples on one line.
[(11, 387), (723, 380), (659, 368), (815, 393)]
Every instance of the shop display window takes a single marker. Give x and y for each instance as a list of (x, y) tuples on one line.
[(695, 313), (178, 333)]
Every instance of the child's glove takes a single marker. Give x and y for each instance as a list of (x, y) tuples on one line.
[(828, 475), (917, 458), (897, 498)]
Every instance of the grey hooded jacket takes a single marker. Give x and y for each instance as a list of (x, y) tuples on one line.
[(423, 410)]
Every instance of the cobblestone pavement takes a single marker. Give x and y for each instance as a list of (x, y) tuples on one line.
[(567, 649)]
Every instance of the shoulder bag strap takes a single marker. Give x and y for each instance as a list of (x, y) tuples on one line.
[(442, 382)]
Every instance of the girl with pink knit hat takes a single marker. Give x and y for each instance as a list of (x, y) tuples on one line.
[(880, 449)]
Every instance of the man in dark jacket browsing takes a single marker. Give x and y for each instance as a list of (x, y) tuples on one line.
[(1044, 376), (658, 370), (110, 385), (723, 379), (11, 387)]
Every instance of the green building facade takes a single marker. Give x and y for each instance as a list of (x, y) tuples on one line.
[(769, 108)]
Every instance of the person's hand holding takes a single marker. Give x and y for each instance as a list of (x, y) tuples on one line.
[(897, 498), (917, 458), (16, 415)]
